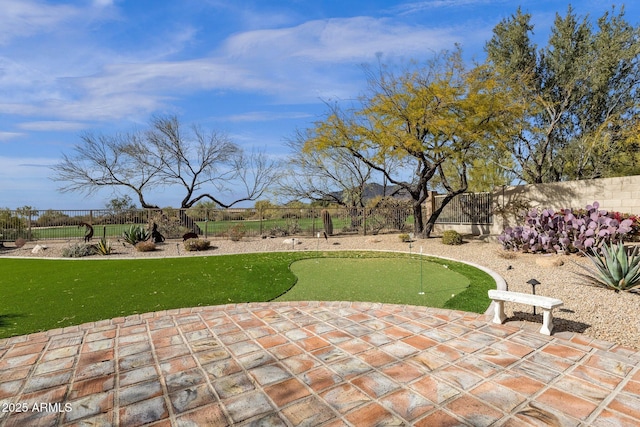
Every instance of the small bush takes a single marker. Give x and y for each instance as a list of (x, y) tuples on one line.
[(145, 246), (451, 237), (278, 231), (78, 250), (20, 242), (196, 245), (237, 232), (405, 238)]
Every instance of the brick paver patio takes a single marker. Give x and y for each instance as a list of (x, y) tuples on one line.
[(314, 364)]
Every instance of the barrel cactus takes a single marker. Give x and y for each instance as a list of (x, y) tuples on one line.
[(327, 222)]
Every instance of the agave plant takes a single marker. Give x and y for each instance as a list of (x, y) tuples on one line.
[(103, 247), (615, 269), (135, 234)]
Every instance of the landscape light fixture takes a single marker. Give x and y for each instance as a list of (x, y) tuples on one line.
[(533, 283)]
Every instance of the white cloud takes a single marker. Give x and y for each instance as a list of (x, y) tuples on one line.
[(103, 3), (342, 40), (316, 59), (5, 136), (419, 6), (21, 168), (264, 116), (51, 125), (22, 18)]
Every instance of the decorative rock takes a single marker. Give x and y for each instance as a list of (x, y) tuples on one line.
[(291, 242), (549, 261), (38, 248)]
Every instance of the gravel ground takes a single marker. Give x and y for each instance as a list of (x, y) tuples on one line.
[(596, 312)]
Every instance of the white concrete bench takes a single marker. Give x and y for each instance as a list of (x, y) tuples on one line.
[(546, 303)]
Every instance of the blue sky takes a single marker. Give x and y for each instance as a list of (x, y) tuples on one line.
[(256, 70)]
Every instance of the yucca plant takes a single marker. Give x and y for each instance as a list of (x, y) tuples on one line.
[(135, 234), (616, 268), (103, 247)]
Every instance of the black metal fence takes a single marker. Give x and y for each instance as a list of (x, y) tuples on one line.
[(469, 208), (209, 223)]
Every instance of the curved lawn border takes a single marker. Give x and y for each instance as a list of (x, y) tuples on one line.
[(473, 299), (501, 284)]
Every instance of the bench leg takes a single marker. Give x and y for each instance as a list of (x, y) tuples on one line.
[(547, 322), (498, 312)]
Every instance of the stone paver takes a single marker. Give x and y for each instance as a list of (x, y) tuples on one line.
[(314, 364)]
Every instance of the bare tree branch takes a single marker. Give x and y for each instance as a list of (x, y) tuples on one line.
[(201, 164)]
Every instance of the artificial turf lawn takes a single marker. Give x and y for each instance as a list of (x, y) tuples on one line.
[(390, 280), (39, 294)]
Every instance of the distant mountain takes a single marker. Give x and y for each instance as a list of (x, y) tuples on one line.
[(374, 189)]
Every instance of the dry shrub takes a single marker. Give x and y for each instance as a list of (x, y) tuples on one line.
[(196, 245), (504, 254), (20, 242)]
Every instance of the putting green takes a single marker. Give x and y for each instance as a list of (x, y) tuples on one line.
[(386, 280)]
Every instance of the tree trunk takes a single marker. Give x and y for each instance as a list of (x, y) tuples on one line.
[(418, 223), (431, 222), (428, 228)]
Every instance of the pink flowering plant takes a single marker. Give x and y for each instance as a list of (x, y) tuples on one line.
[(569, 230)]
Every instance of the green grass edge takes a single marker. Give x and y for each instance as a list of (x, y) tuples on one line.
[(473, 299)]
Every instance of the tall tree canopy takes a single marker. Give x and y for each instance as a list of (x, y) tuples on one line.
[(203, 165), (330, 175), (582, 94), (429, 121)]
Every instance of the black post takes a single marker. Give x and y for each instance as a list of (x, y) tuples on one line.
[(533, 283)]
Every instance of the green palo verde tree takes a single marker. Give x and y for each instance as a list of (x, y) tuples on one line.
[(428, 121), (581, 90)]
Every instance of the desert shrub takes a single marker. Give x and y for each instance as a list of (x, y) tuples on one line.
[(12, 226), (451, 237), (103, 247), (135, 234), (145, 246), (53, 218), (568, 230), (404, 238), (20, 242), (277, 231), (78, 250), (615, 268), (197, 245), (237, 232), (506, 254)]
